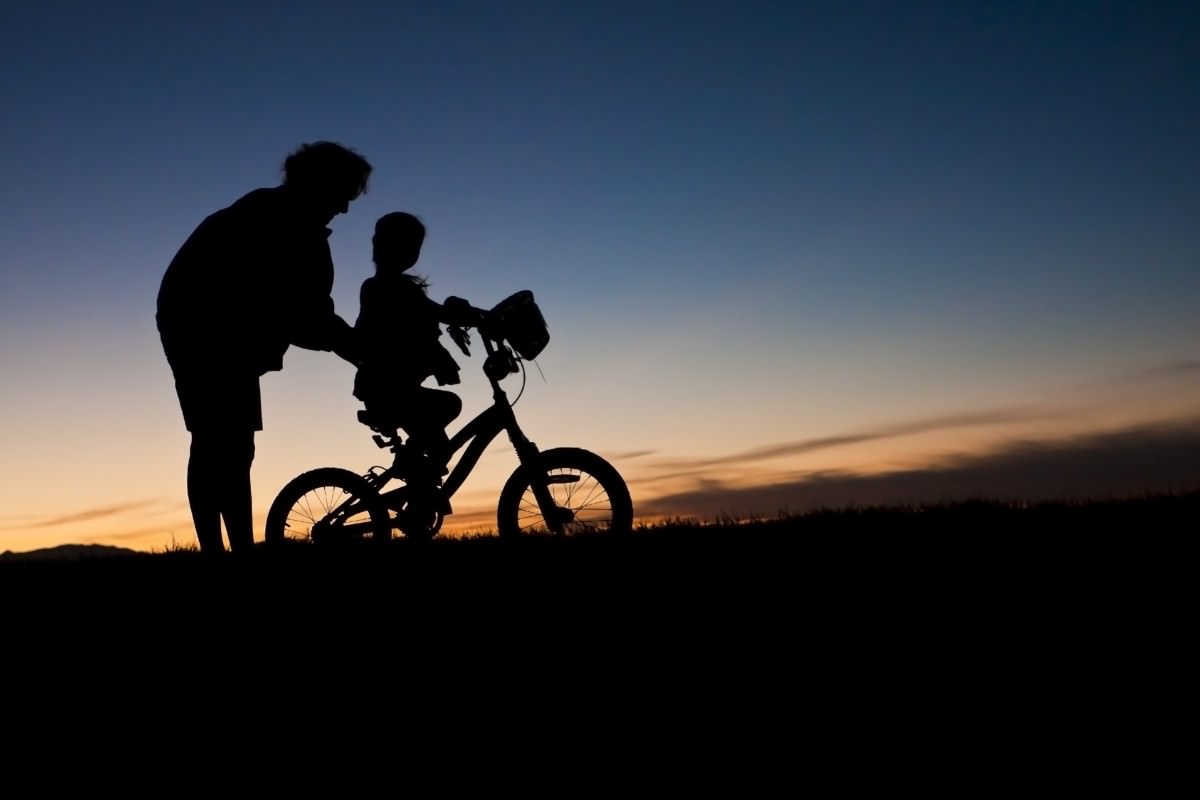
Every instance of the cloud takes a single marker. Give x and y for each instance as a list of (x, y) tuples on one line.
[(90, 514), (1184, 368), (1180, 375), (973, 419), (1137, 460), (632, 454)]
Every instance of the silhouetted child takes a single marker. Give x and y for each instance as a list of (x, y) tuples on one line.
[(399, 333)]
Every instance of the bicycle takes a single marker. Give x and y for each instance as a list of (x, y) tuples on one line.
[(560, 491)]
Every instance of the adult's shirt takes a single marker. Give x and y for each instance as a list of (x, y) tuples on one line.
[(252, 279)]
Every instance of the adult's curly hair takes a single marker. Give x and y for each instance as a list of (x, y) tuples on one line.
[(327, 165)]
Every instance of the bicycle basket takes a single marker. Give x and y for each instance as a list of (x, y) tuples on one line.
[(522, 324)]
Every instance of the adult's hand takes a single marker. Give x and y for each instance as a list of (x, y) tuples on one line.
[(347, 345)]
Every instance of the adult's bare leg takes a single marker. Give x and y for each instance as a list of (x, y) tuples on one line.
[(236, 501), (204, 492), (219, 488)]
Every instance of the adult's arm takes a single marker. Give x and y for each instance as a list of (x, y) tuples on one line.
[(310, 319)]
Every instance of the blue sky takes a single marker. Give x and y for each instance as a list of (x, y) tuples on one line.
[(748, 224)]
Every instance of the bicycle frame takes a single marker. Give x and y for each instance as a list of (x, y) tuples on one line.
[(561, 490), (474, 438)]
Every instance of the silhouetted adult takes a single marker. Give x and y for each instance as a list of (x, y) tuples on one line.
[(252, 279)]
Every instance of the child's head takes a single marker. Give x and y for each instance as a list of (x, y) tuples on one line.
[(397, 241)]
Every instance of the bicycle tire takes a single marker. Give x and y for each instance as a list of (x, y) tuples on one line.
[(581, 482), (305, 502)]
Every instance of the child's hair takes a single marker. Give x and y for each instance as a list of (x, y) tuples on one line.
[(401, 230), (401, 226)]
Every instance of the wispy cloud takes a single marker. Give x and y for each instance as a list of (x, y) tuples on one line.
[(1009, 416), (90, 514), (1180, 371), (1180, 375), (1150, 458), (1186, 368), (632, 454)]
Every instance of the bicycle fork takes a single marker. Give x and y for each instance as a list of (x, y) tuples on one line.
[(528, 454)]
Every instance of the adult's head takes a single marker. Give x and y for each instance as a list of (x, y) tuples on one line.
[(326, 176), (397, 240)]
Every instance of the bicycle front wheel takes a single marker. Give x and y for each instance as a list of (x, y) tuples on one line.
[(589, 496), (324, 505)]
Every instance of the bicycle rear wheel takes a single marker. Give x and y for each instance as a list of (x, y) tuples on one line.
[(327, 505), (589, 494)]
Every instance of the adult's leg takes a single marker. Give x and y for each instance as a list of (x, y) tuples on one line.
[(204, 493), (219, 488), (236, 501)]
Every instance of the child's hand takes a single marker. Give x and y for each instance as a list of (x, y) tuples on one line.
[(461, 338), (460, 312)]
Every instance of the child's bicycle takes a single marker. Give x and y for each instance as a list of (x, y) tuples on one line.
[(562, 491)]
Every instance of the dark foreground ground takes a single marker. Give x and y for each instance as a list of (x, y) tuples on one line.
[(886, 557), (898, 645)]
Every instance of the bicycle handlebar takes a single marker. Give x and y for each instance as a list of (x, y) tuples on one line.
[(516, 320)]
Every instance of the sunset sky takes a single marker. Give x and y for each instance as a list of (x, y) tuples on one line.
[(790, 253)]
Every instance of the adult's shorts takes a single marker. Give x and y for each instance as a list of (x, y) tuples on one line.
[(216, 401)]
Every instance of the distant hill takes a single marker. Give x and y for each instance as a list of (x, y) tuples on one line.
[(70, 552)]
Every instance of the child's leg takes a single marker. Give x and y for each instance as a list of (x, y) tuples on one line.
[(431, 411)]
